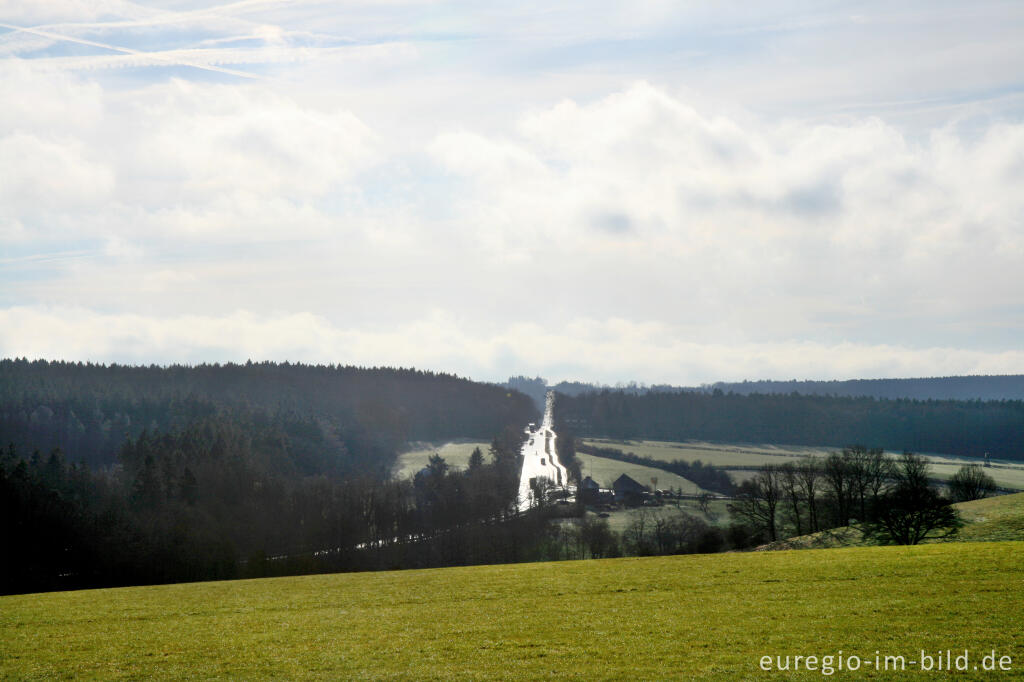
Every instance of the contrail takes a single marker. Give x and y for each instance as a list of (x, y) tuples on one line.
[(46, 257), (221, 11), (126, 50)]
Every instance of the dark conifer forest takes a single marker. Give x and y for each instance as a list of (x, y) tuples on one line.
[(968, 428), (113, 475)]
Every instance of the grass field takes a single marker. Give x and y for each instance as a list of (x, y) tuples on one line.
[(605, 471), (687, 617), (993, 519), (456, 454), (711, 453), (1007, 474)]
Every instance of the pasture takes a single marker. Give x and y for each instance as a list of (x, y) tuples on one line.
[(744, 459), (605, 471), (456, 454), (682, 617)]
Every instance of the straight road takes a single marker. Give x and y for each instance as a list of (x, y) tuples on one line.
[(539, 457)]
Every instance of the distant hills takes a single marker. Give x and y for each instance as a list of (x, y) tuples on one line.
[(977, 387), (999, 387)]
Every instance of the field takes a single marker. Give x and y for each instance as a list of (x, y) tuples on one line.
[(698, 616), (993, 519), (605, 471), (1007, 474), (711, 453), (456, 454)]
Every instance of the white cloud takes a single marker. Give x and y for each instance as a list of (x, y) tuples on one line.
[(213, 139), (174, 159), (37, 173), (778, 221), (656, 352), (719, 192), (38, 100)]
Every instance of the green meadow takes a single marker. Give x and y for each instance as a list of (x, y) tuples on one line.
[(1006, 473), (456, 454), (718, 454), (683, 617), (605, 471)]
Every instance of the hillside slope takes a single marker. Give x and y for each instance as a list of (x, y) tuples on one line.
[(685, 617), (993, 519)]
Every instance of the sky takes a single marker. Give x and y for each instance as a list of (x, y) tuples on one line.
[(662, 192)]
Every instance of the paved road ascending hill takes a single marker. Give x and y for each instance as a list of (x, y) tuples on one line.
[(539, 458)]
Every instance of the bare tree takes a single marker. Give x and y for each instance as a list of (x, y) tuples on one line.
[(809, 479), (635, 534), (971, 482), (838, 476), (791, 493), (912, 510), (879, 472), (757, 501), (597, 537)]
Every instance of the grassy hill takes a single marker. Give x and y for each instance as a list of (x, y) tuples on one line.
[(993, 519), (686, 617)]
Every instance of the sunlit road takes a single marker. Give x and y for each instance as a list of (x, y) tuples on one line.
[(539, 458)]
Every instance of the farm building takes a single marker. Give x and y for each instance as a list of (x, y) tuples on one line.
[(628, 491), (592, 493)]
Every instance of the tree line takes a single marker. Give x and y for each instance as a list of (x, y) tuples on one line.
[(968, 428), (992, 387), (706, 476), (367, 414), (893, 500), (116, 475), (226, 497)]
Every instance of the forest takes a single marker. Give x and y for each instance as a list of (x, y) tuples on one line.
[(119, 475), (974, 387), (967, 428), (116, 475), (361, 415)]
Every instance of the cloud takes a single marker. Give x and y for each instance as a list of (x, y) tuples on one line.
[(778, 223), (176, 160), (584, 347), (52, 11), (511, 185), (635, 206), (38, 171)]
